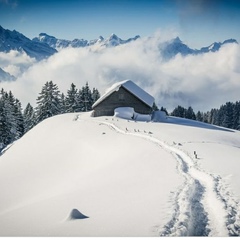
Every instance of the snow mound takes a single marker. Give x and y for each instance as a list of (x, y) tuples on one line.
[(75, 214), (124, 112), (159, 116), (130, 114)]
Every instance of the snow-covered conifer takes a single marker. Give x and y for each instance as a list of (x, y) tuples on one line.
[(48, 102), (28, 117), (95, 95), (71, 101), (85, 98)]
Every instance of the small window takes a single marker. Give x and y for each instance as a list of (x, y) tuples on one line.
[(121, 97)]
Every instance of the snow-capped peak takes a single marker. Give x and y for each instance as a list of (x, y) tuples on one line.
[(13, 40), (216, 46), (100, 39), (113, 37), (177, 40)]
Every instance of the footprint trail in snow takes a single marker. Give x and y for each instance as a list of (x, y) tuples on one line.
[(200, 208)]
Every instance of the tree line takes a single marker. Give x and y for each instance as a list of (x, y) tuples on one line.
[(15, 122), (228, 115)]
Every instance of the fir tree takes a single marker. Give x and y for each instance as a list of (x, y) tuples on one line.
[(3, 125), (71, 101), (189, 113), (199, 116), (95, 95), (11, 120), (228, 115), (18, 119), (236, 116), (63, 103), (9, 102), (29, 118), (85, 99), (178, 112), (48, 102)]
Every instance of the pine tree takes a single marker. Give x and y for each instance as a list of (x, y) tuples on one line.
[(63, 103), (71, 101), (80, 101), (48, 102), (29, 118), (179, 112), (95, 95), (3, 125), (10, 116), (213, 116), (85, 99), (11, 121), (236, 116), (199, 116), (189, 113), (18, 119), (228, 115)]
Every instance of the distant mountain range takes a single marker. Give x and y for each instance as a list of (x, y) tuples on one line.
[(173, 47), (44, 45), (56, 43)]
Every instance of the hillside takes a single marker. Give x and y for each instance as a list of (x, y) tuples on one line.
[(74, 175)]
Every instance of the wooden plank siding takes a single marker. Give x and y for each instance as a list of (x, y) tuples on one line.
[(120, 98)]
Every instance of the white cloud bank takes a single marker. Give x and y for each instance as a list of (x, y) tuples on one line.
[(15, 62), (201, 81)]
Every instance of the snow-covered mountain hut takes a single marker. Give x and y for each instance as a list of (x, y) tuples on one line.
[(123, 94)]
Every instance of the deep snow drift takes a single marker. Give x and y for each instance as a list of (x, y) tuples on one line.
[(74, 175)]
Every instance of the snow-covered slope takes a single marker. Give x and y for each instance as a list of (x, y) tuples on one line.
[(13, 40), (74, 175)]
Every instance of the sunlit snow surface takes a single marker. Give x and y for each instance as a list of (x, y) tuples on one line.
[(74, 175)]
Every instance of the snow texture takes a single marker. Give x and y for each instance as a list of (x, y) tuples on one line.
[(121, 178)]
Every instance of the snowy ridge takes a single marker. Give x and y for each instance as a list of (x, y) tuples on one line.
[(58, 44)]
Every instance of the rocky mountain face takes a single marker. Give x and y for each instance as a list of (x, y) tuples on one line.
[(5, 76), (13, 40)]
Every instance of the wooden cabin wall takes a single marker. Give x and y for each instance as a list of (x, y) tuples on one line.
[(120, 98)]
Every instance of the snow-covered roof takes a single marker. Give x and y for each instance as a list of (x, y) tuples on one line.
[(131, 87)]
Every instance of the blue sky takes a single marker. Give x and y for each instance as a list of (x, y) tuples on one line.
[(197, 22)]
